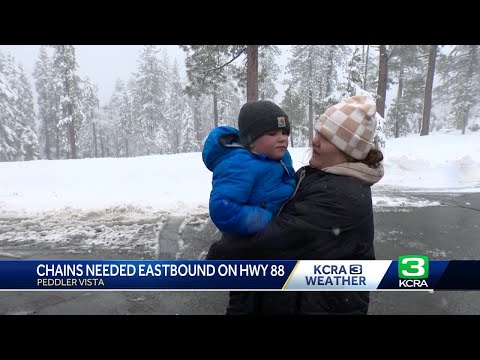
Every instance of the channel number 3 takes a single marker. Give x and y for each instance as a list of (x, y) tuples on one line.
[(413, 266)]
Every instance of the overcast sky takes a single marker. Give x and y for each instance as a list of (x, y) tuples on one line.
[(104, 64)]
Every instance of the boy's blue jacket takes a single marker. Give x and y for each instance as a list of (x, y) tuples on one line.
[(247, 188)]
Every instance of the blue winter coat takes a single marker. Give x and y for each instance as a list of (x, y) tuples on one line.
[(247, 188)]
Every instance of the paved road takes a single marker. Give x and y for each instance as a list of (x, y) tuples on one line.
[(443, 232)]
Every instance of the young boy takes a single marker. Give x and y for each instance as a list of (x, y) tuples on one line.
[(252, 169)]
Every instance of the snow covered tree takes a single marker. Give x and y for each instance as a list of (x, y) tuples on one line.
[(208, 67), (43, 75), (7, 126), (149, 95), (460, 83), (121, 108), (18, 138), (268, 71), (90, 105), (313, 70), (26, 127), (407, 69), (296, 109), (427, 104), (68, 87)]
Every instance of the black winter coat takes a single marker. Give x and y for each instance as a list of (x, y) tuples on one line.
[(330, 217)]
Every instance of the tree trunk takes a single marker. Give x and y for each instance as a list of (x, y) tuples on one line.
[(215, 109), (310, 114), (470, 73), (94, 135), (57, 142), (252, 72), (382, 80), (331, 67), (196, 126), (47, 141), (71, 132), (102, 148), (427, 104), (366, 68), (399, 99)]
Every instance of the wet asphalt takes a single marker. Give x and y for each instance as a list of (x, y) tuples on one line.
[(446, 232)]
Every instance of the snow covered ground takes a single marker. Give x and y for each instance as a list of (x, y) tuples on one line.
[(124, 203)]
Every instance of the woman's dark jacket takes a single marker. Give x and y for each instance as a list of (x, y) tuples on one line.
[(330, 217)]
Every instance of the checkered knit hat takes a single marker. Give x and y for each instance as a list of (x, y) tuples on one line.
[(350, 125), (257, 118)]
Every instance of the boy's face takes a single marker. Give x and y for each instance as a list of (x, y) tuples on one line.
[(273, 144)]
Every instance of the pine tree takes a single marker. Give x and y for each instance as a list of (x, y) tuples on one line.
[(460, 76), (296, 109), (18, 139), (149, 95), (29, 147), (407, 68), (68, 87), (7, 126), (43, 75), (121, 110), (208, 67), (313, 70), (90, 105)]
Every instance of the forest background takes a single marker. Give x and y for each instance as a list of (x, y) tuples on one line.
[(58, 115)]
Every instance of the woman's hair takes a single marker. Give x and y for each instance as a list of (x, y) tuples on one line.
[(373, 159)]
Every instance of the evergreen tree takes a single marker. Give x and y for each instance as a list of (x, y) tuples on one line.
[(26, 127), (68, 87), (296, 109), (18, 139), (202, 115), (178, 113), (43, 75), (407, 68), (149, 103), (313, 70), (355, 67), (460, 83), (208, 67), (7, 126), (90, 103), (121, 109), (268, 71)]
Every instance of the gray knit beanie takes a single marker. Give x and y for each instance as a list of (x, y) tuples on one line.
[(258, 117)]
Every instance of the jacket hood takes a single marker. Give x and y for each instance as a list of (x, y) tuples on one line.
[(219, 144)]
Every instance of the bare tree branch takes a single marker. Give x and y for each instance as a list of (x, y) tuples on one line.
[(223, 65)]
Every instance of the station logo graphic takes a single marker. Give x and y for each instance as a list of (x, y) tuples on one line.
[(413, 271)]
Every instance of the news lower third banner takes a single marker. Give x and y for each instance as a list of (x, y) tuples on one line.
[(409, 272)]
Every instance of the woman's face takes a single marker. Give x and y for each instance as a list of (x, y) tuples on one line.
[(324, 153)]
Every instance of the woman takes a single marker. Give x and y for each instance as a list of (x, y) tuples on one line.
[(330, 216)]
